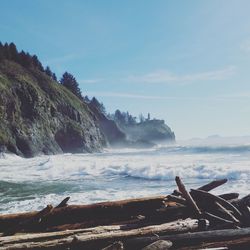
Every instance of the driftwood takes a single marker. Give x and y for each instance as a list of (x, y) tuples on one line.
[(227, 213), (30, 223), (187, 239), (214, 220), (241, 243), (177, 199), (94, 239), (108, 211), (243, 201), (148, 223), (212, 185), (187, 196), (229, 196), (199, 194), (63, 203)]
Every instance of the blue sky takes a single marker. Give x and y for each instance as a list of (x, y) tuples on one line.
[(187, 62)]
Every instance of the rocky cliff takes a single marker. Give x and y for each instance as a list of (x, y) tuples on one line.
[(112, 133), (148, 132), (38, 115)]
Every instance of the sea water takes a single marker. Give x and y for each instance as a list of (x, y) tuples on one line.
[(31, 184)]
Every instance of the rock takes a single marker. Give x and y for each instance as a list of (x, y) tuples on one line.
[(153, 131), (109, 128), (39, 116)]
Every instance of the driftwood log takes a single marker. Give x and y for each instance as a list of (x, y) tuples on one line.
[(92, 215), (189, 239), (212, 185), (193, 219), (95, 238), (188, 197)]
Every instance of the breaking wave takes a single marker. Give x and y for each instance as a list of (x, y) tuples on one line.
[(28, 184)]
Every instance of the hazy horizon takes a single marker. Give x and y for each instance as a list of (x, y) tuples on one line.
[(184, 62)]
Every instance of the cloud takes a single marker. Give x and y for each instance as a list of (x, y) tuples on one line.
[(164, 76)]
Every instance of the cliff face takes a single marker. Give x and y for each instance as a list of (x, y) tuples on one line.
[(113, 135), (152, 131), (38, 115)]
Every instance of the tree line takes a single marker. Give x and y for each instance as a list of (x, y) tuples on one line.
[(10, 52), (126, 119)]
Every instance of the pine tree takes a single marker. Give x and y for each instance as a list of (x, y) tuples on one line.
[(13, 53), (1, 52), (54, 77), (36, 63), (48, 71), (6, 51), (24, 59), (69, 81), (98, 105)]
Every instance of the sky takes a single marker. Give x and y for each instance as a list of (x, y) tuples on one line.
[(187, 62)]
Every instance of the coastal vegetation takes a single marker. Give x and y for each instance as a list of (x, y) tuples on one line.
[(41, 115)]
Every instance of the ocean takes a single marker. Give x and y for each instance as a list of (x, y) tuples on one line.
[(31, 184)]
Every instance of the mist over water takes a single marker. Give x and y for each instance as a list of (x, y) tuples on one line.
[(31, 184)]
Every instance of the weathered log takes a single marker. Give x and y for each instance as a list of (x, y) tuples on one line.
[(241, 243), (187, 196), (199, 194), (30, 223), (19, 238), (242, 205), (177, 199), (244, 201), (128, 224), (229, 196), (212, 185), (187, 239), (166, 214), (96, 239), (63, 203), (177, 193), (227, 213), (159, 245), (214, 219), (115, 211)]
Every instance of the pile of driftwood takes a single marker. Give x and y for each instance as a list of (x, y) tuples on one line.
[(193, 219)]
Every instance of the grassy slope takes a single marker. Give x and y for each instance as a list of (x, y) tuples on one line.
[(13, 74)]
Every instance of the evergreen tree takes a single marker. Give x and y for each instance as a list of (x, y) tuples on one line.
[(10, 52), (69, 81), (6, 51), (131, 120), (36, 63), (86, 99), (54, 77), (1, 52), (24, 59), (48, 71), (120, 117), (141, 118), (13, 53), (98, 105)]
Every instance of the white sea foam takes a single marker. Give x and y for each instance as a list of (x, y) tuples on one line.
[(116, 174)]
